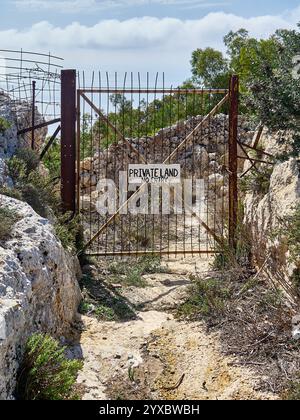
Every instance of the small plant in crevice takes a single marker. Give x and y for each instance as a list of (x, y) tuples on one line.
[(257, 182), (290, 231), (296, 280), (4, 125), (289, 234), (8, 218), (45, 372), (68, 231), (11, 192)]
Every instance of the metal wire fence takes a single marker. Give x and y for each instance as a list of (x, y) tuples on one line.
[(133, 121)]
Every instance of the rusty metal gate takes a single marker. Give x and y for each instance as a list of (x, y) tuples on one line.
[(139, 129)]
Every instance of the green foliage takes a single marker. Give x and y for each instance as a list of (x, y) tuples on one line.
[(11, 192), (4, 125), (105, 313), (42, 194), (132, 275), (52, 160), (269, 91), (68, 231), (265, 68), (46, 373), (8, 219), (102, 302), (142, 119), (257, 182), (206, 298), (292, 393), (228, 258), (16, 169), (30, 158), (210, 69)]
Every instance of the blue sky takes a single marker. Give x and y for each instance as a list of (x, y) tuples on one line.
[(136, 35)]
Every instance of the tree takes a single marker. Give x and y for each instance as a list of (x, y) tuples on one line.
[(209, 68), (270, 92)]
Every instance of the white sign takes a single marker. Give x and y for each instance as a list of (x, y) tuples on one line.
[(154, 174), (296, 68)]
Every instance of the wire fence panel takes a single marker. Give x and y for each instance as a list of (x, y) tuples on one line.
[(31, 83)]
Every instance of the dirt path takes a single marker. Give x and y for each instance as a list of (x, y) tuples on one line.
[(156, 356)]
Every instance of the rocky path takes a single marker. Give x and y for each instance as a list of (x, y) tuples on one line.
[(156, 356)]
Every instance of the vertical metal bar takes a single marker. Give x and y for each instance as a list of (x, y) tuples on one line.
[(33, 115), (68, 140), (233, 160), (78, 146)]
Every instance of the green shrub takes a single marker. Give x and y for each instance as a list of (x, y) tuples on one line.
[(7, 220), (4, 125), (205, 298), (68, 230), (32, 196), (11, 192), (42, 194), (257, 182), (132, 275), (30, 158), (52, 159), (293, 392), (46, 373), (16, 169), (228, 258), (291, 231)]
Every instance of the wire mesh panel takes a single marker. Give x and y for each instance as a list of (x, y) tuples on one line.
[(152, 168), (30, 83)]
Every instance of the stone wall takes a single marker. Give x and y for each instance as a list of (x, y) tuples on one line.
[(205, 155)]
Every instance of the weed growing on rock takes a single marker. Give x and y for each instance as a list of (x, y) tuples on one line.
[(257, 182), (4, 125), (8, 218)]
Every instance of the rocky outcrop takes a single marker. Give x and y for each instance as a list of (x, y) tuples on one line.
[(38, 288), (265, 214), (19, 115)]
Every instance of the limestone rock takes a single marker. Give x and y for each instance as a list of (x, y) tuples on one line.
[(264, 215), (39, 291)]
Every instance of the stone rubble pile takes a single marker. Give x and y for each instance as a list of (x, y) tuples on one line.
[(205, 153)]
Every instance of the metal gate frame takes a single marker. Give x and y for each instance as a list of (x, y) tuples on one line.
[(70, 150)]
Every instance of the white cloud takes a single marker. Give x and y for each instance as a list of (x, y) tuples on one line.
[(145, 44), (76, 6)]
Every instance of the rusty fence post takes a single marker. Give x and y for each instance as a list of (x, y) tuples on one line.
[(68, 140), (233, 160), (33, 115)]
